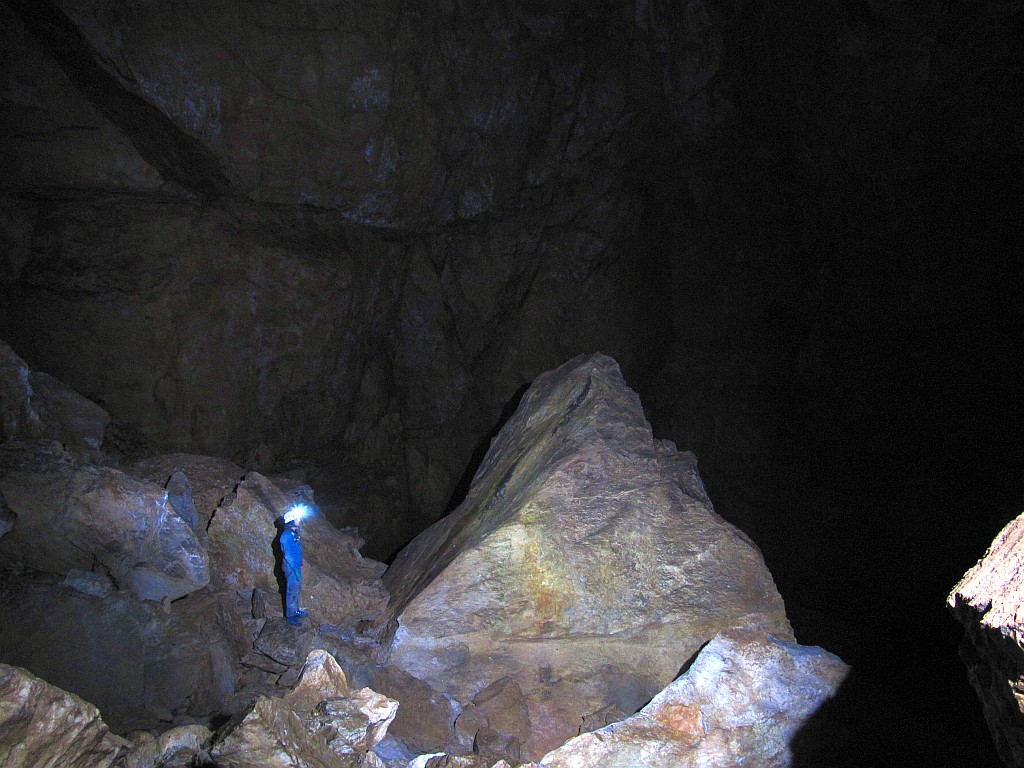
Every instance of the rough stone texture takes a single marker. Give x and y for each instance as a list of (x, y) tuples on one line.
[(987, 602), (740, 703), (175, 747), (322, 678), (35, 405), (41, 725), (338, 585), (425, 718), (496, 721), (211, 478), (320, 722), (141, 664), (72, 515), (272, 735), (586, 563)]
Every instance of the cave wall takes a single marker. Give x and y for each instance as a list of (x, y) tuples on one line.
[(340, 237)]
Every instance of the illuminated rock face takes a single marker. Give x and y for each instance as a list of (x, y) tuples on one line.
[(741, 702), (586, 563), (343, 587), (43, 725), (72, 515), (987, 602)]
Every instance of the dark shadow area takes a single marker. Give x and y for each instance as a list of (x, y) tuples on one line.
[(282, 581), (178, 157), (462, 487)]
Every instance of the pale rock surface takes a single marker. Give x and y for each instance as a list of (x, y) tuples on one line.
[(320, 722), (73, 515), (43, 726), (360, 717), (585, 563), (339, 586), (35, 405), (272, 735), (175, 747), (988, 603), (740, 703)]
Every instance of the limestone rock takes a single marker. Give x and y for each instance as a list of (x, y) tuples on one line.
[(322, 678), (35, 405), (272, 735), (443, 760), (320, 722), (426, 717), (338, 585), (585, 563), (77, 516), (496, 721), (211, 478), (740, 703), (987, 602), (41, 725), (171, 749)]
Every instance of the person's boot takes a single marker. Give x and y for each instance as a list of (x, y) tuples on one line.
[(302, 613), (295, 621)]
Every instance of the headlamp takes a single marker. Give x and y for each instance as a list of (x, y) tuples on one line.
[(296, 512)]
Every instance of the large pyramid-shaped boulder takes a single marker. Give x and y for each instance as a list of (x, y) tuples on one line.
[(586, 564)]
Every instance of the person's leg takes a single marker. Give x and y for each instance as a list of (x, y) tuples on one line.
[(293, 584)]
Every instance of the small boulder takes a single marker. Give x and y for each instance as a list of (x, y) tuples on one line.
[(426, 717), (41, 725), (320, 722), (740, 703), (210, 478)]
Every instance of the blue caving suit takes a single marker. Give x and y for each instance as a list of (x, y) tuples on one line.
[(291, 549)]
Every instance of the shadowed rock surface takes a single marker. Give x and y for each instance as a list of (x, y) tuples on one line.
[(586, 563), (987, 602), (36, 406)]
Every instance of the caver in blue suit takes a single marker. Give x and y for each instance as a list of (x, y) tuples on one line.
[(291, 550)]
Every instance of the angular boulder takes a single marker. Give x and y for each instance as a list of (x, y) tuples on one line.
[(740, 703), (73, 515), (339, 586), (41, 725), (176, 747), (988, 603), (320, 723), (586, 563), (35, 405)]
